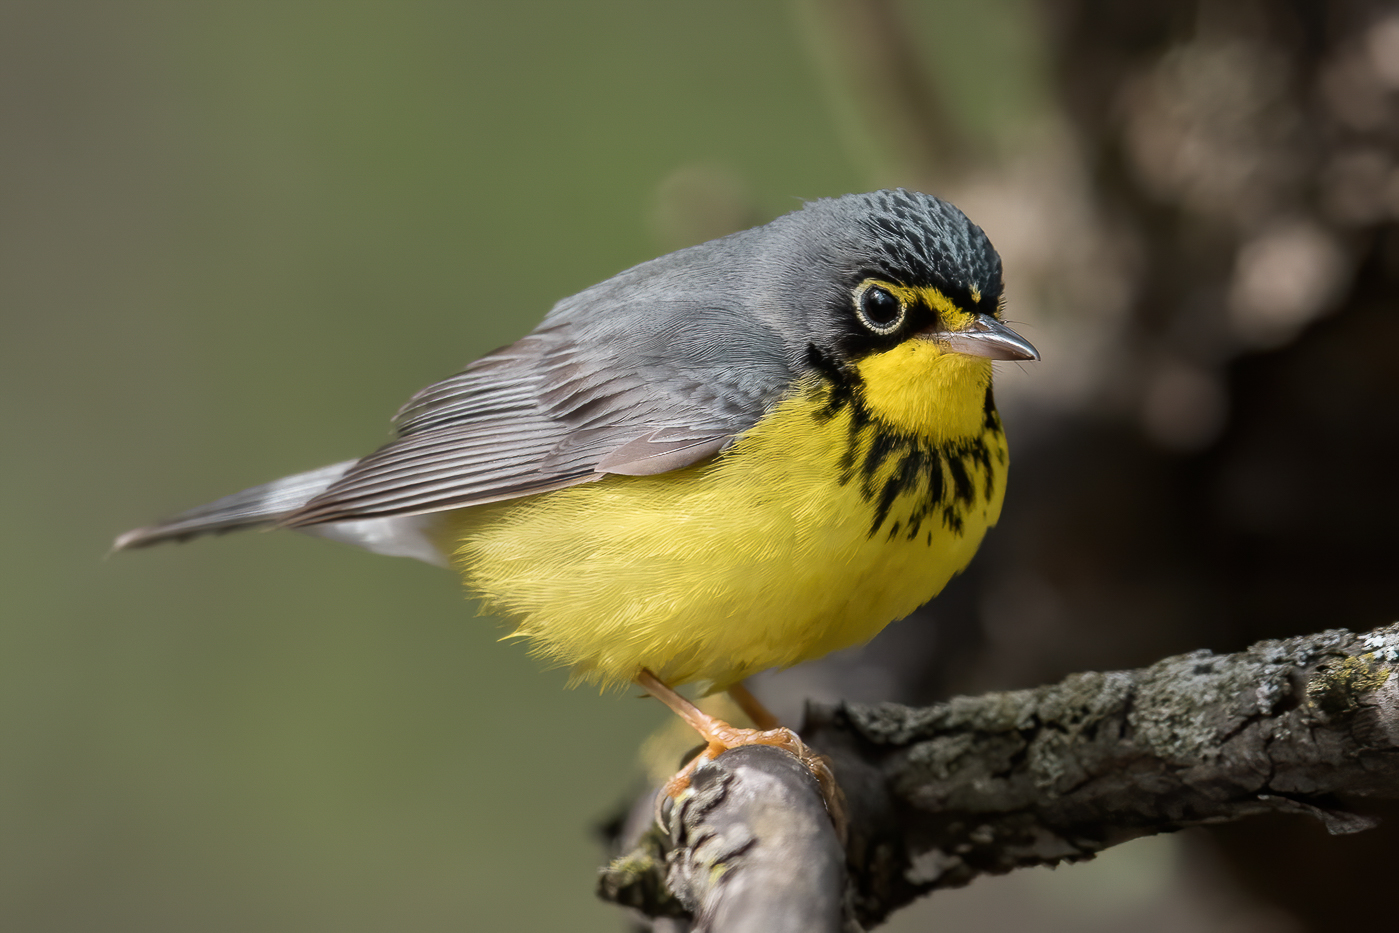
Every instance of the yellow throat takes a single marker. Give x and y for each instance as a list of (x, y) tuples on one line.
[(847, 506)]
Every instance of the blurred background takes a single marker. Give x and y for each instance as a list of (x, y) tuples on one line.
[(234, 237)]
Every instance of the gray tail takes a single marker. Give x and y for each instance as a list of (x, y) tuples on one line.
[(261, 505)]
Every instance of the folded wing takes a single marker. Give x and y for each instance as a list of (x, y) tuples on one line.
[(561, 407)]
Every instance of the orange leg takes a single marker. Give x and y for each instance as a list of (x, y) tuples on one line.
[(720, 737)]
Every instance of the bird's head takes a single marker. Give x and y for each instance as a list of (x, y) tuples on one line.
[(904, 296)]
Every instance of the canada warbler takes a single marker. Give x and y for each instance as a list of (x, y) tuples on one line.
[(742, 455)]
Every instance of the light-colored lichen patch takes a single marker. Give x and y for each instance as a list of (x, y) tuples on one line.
[(1384, 645)]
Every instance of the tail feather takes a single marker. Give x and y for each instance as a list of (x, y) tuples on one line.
[(261, 505)]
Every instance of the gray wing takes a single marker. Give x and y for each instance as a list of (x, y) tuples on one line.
[(261, 505), (582, 396)]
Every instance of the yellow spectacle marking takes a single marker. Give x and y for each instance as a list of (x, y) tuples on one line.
[(951, 316)]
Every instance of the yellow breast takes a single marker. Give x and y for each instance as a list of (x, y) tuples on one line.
[(845, 508)]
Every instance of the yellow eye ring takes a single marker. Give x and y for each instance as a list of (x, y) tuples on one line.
[(878, 307)]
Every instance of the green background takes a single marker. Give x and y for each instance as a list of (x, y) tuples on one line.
[(234, 237)]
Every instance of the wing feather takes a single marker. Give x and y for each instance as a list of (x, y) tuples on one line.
[(260, 505), (566, 404)]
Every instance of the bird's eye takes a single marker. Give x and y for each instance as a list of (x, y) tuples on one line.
[(879, 309)]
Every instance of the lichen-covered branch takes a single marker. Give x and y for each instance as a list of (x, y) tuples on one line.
[(988, 784)]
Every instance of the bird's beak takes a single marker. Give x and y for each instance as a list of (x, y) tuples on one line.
[(986, 338)]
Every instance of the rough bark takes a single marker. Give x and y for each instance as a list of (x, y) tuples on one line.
[(978, 785)]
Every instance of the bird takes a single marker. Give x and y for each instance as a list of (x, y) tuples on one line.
[(739, 456)]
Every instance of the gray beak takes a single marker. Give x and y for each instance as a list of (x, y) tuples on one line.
[(987, 338)]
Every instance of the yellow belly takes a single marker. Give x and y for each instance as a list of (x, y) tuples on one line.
[(800, 539)]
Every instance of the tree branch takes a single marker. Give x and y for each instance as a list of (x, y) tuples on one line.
[(988, 784)]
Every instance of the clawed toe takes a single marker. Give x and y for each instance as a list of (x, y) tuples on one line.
[(720, 736)]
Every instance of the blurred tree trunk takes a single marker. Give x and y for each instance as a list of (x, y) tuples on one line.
[(1206, 243), (1253, 151)]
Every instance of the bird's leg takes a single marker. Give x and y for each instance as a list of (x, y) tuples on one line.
[(752, 707), (719, 737)]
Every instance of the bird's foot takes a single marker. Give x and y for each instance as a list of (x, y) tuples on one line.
[(720, 736)]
